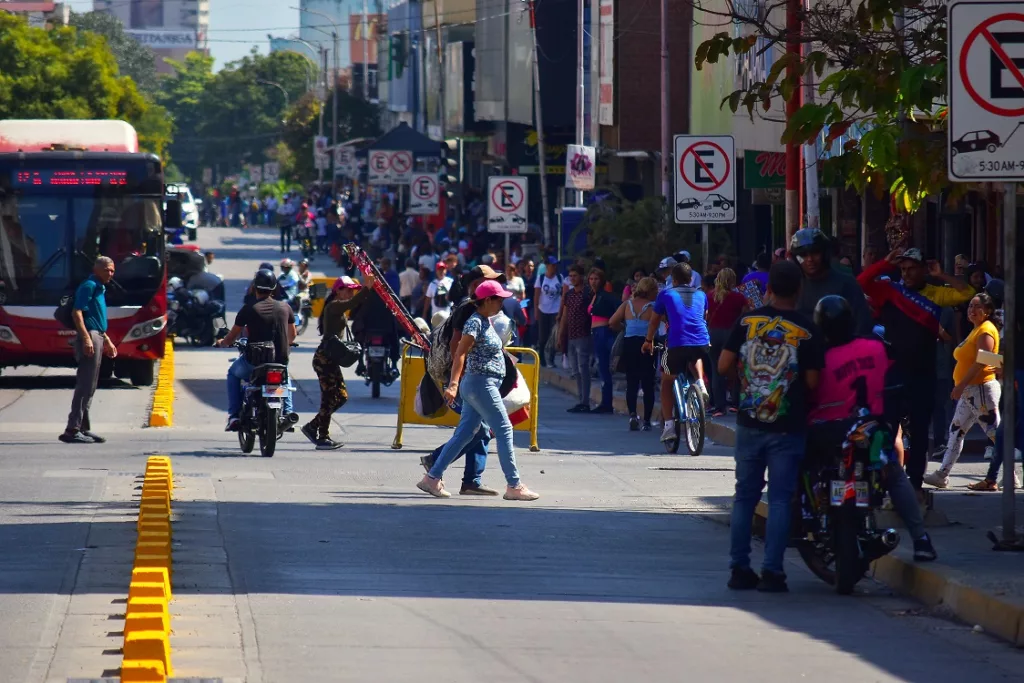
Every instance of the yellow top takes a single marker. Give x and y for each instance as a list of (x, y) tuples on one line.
[(966, 354)]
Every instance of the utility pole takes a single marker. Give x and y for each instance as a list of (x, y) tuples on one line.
[(366, 56), (546, 219), (334, 111), (323, 62), (581, 100), (440, 72), (793, 179), (811, 153), (666, 140)]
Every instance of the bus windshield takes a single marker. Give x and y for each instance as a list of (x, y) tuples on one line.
[(50, 237)]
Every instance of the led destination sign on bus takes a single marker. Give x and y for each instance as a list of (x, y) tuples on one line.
[(69, 178)]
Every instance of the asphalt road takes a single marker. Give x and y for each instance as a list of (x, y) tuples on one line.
[(316, 566)]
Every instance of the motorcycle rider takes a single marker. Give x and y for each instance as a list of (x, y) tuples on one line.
[(304, 275), (854, 377), (812, 250), (267, 320), (289, 281)]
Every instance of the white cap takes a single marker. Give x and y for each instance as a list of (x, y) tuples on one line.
[(667, 262)]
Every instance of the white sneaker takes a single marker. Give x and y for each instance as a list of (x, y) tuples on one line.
[(939, 479), (669, 432)]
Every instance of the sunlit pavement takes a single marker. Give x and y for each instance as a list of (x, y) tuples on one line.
[(315, 566)]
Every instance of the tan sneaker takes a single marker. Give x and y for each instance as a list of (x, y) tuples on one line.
[(434, 487), (520, 493)]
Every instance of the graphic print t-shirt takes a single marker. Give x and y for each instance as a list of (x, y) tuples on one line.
[(854, 376), (774, 349)]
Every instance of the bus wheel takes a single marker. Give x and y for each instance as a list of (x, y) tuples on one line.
[(142, 372)]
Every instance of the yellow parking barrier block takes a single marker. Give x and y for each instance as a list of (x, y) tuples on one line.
[(144, 605), (143, 671), (162, 412), (148, 589), (151, 539), (147, 548), (146, 621), (155, 527), (154, 559), (153, 575), (148, 646), (154, 512)]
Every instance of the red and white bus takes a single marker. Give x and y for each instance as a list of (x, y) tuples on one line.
[(71, 191)]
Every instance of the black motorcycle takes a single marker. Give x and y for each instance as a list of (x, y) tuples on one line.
[(839, 490), (263, 399), (196, 316)]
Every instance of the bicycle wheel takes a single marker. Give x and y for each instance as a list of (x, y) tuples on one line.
[(696, 418)]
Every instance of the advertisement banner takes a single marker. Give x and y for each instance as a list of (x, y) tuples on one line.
[(271, 172), (764, 169), (580, 171), (163, 40), (606, 82)]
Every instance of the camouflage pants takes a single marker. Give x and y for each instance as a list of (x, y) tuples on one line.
[(333, 393)]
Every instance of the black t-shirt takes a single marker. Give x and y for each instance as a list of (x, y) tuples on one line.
[(775, 348), (267, 321)]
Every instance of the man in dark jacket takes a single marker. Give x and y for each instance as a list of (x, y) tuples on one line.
[(810, 248)]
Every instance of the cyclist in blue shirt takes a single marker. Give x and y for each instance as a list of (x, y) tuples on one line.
[(685, 308)]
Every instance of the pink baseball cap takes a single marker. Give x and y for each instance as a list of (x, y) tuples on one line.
[(345, 282), (489, 288)]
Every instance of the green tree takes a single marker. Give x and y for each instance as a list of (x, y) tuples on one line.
[(880, 68), (630, 235), (133, 58), (62, 74), (181, 94)]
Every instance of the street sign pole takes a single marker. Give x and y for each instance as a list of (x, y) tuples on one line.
[(1009, 394), (508, 249)]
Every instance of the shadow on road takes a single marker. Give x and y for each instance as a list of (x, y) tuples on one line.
[(49, 382)]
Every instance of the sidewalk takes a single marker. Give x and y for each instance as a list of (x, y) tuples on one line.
[(970, 580)]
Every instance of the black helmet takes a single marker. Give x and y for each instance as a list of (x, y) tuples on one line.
[(806, 240), (265, 280), (266, 266), (834, 317)]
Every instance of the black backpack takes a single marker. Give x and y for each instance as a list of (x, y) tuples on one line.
[(441, 295), (64, 310)]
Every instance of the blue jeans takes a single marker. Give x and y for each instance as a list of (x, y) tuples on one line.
[(604, 339), (781, 454), (476, 456), (240, 371), (997, 458), (481, 402)]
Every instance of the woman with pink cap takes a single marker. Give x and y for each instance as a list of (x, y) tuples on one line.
[(479, 365), (333, 392)]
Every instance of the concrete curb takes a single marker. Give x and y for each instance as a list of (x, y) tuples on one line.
[(929, 585), (719, 433), (162, 412)]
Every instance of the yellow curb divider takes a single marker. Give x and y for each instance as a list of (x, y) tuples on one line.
[(162, 412), (147, 624)]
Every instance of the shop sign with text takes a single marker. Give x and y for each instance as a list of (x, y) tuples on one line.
[(764, 169)]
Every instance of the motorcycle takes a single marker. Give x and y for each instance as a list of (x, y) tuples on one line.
[(316, 291), (376, 363), (834, 527), (262, 401), (196, 316)]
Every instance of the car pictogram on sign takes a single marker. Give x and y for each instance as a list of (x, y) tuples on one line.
[(717, 201), (688, 203), (976, 141)]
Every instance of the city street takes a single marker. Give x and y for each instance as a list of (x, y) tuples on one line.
[(332, 566)]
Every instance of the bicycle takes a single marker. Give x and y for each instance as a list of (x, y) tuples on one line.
[(689, 403)]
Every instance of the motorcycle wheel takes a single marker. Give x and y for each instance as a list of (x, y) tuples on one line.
[(819, 559), (849, 564), (268, 432), (304, 325), (374, 378), (246, 438)]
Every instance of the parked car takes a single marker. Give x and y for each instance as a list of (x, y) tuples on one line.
[(976, 141)]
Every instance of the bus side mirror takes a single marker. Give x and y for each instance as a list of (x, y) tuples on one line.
[(172, 213)]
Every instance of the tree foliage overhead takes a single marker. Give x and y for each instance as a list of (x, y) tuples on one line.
[(240, 116), (133, 58), (880, 73), (63, 74)]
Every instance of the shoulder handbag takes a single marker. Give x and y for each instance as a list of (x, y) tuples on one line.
[(345, 352)]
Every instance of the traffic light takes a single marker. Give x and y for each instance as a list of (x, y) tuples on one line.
[(451, 166)]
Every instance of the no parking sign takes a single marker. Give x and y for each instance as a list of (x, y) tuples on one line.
[(705, 179), (424, 195)]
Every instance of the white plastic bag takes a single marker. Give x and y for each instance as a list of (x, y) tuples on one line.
[(519, 397)]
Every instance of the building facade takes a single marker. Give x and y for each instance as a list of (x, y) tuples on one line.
[(38, 14), (171, 28)]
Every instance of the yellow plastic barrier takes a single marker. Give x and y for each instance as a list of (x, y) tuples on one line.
[(318, 304), (147, 648), (413, 369), (162, 412)]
